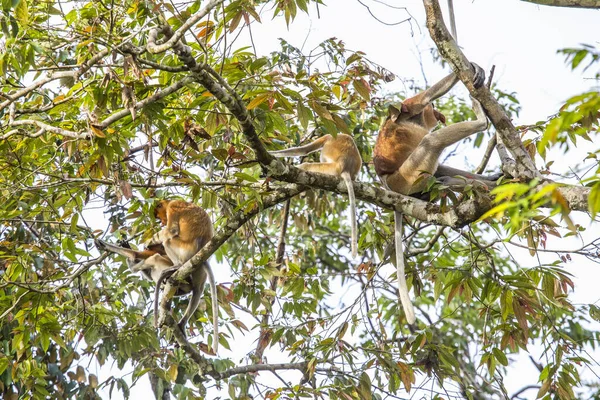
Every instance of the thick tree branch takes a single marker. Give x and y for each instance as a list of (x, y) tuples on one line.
[(567, 3), (462, 67)]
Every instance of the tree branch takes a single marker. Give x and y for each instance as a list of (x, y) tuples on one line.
[(259, 367), (265, 332), (44, 127), (567, 3), (178, 34), (52, 77), (151, 99), (462, 67)]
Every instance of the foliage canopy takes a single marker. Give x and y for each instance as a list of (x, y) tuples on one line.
[(99, 118)]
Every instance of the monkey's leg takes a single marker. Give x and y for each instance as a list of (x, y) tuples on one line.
[(159, 237), (128, 253), (444, 171), (323, 168), (302, 150), (425, 157), (155, 261), (198, 281), (434, 92)]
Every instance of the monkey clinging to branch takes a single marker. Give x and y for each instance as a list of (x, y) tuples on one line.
[(339, 157), (188, 228), (407, 149)]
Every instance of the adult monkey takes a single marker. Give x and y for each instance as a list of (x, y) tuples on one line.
[(187, 229), (339, 157), (406, 149)]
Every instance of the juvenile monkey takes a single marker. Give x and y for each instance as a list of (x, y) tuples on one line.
[(339, 157), (151, 262), (187, 228), (406, 149)]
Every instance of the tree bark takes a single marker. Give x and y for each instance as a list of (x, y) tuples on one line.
[(567, 3)]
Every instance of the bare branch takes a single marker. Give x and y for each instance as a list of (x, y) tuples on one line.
[(178, 34), (259, 367), (44, 127), (151, 99), (567, 3), (487, 155), (52, 77)]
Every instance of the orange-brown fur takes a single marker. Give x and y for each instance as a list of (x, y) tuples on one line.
[(187, 228), (339, 157)]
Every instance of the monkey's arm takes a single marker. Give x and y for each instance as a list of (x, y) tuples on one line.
[(437, 90), (442, 87)]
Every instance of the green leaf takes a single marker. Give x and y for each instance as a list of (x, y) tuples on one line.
[(363, 88), (304, 114), (4, 363), (500, 356)]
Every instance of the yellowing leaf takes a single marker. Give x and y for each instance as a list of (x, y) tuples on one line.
[(93, 380), (172, 372), (22, 12), (97, 132), (363, 88), (258, 100), (321, 111)]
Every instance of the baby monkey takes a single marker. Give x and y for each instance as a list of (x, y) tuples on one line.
[(339, 157), (407, 150)]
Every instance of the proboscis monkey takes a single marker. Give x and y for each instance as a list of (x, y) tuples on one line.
[(407, 149), (339, 157), (187, 228), (154, 263)]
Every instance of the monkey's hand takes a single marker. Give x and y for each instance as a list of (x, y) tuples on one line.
[(100, 244), (479, 77)]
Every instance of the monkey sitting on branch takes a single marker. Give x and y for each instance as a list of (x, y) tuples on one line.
[(187, 228), (339, 157), (407, 150)]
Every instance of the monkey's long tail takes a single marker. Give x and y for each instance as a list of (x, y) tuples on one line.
[(215, 307), (354, 238), (407, 304)]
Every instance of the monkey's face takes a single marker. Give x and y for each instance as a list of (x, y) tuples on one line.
[(160, 211)]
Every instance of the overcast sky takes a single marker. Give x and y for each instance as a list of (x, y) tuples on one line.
[(520, 39)]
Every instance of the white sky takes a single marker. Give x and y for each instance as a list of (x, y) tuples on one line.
[(519, 38)]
